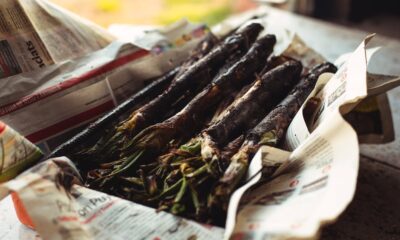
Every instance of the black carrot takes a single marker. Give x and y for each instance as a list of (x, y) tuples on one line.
[(270, 131)]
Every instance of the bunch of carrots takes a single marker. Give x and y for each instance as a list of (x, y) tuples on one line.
[(187, 150)]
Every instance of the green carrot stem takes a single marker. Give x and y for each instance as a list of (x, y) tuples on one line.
[(169, 177), (129, 162), (210, 167), (125, 166), (193, 147), (197, 172), (133, 180), (186, 160), (111, 164), (182, 191), (177, 207), (169, 190), (195, 199)]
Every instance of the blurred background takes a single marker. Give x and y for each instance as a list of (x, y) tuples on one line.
[(381, 16)]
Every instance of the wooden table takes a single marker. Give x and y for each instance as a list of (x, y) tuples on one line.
[(374, 212)]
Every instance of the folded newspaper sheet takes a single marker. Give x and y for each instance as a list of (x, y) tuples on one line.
[(316, 181), (16, 153), (79, 91), (81, 213), (37, 33), (313, 185)]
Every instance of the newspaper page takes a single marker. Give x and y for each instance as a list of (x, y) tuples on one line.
[(36, 33), (79, 91), (313, 186), (16, 153), (317, 180), (82, 213), (375, 108)]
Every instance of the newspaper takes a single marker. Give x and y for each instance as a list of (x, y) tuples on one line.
[(82, 213), (372, 118), (317, 180), (80, 90), (16, 153), (36, 33), (313, 185), (376, 125)]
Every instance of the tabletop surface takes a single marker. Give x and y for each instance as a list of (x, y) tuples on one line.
[(374, 212)]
